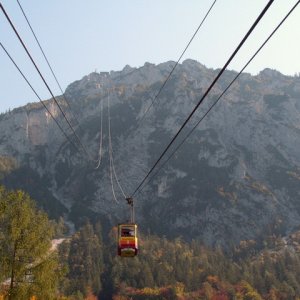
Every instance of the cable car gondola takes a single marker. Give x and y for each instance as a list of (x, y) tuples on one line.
[(127, 235), (128, 241)]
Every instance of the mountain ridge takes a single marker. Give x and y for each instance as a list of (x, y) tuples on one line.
[(235, 178)]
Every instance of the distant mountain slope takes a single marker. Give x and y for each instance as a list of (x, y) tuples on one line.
[(237, 177)]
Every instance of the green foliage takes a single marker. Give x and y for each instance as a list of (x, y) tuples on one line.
[(83, 253), (193, 271), (163, 269), (25, 241)]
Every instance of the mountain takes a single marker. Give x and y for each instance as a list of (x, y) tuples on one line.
[(235, 178)]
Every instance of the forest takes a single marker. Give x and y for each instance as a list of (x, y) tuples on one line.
[(86, 266)]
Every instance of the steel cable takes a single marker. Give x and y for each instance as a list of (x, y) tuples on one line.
[(206, 93)]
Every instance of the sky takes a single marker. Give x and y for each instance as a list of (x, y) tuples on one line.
[(80, 37)]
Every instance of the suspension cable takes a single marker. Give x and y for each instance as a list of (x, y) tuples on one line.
[(221, 95), (101, 136), (207, 91), (46, 84), (40, 99), (174, 67), (111, 180), (48, 63), (111, 150), (114, 170)]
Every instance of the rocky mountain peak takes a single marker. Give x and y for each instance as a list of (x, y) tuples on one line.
[(235, 178), (127, 69), (270, 74), (191, 63)]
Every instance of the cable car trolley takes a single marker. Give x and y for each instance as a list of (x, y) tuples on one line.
[(127, 235)]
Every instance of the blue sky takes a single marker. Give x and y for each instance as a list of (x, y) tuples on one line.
[(80, 37)]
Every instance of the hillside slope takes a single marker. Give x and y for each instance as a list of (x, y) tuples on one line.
[(236, 178)]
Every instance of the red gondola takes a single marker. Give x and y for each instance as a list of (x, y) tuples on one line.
[(127, 240), (127, 235)]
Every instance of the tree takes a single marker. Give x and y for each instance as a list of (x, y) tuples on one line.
[(85, 262), (26, 261)]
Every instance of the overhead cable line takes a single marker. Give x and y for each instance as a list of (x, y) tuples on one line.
[(221, 95), (115, 174), (111, 179), (206, 93), (174, 67), (109, 153), (101, 136), (46, 84), (59, 126), (111, 158), (47, 61)]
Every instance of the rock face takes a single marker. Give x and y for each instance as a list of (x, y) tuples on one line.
[(235, 178)]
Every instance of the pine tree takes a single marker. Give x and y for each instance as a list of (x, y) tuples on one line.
[(26, 260)]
